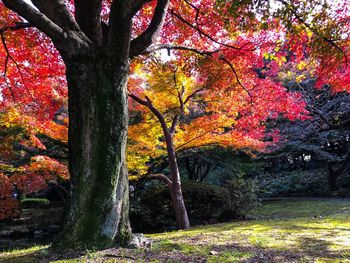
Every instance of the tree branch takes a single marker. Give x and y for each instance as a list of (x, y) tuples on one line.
[(35, 18), (160, 177), (194, 93), (10, 57), (57, 11), (173, 47), (236, 75), (17, 26), (329, 41), (138, 100), (136, 6), (88, 16), (143, 41), (201, 32), (156, 112)]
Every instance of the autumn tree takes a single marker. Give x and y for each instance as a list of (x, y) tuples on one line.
[(182, 111), (96, 40), (33, 155)]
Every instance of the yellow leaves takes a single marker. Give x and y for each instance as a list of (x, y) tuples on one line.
[(301, 65), (10, 118), (309, 33), (266, 55), (143, 144), (300, 78), (136, 164), (279, 59)]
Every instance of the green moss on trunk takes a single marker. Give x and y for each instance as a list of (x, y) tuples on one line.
[(97, 215)]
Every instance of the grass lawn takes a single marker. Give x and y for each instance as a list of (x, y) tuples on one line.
[(316, 230)]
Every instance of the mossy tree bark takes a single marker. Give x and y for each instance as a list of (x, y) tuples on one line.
[(98, 208), (96, 56)]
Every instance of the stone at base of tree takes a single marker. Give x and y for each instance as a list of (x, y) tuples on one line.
[(213, 252), (138, 240)]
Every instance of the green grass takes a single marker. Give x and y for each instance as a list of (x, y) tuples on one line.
[(284, 231), (27, 255)]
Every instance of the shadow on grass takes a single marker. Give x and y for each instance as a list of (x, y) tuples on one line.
[(307, 249), (39, 254)]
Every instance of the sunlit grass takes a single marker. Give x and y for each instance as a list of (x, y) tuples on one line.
[(23, 255), (285, 231), (308, 227)]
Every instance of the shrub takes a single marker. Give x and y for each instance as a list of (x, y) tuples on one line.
[(205, 203), (243, 197), (295, 182), (153, 211)]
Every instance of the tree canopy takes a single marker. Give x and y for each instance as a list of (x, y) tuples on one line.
[(209, 71)]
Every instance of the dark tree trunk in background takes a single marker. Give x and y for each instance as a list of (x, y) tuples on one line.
[(197, 169), (333, 175)]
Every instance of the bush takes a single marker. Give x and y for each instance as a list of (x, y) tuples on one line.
[(243, 197), (154, 211), (205, 203), (295, 182)]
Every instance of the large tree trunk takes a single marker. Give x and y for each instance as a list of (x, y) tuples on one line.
[(96, 56), (182, 220), (98, 115)]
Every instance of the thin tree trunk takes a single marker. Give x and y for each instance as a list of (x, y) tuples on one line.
[(182, 220), (98, 114)]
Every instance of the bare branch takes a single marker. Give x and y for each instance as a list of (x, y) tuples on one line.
[(35, 18), (200, 31), (136, 6), (329, 41), (173, 47), (156, 112), (160, 177), (55, 21), (57, 11), (236, 75), (143, 41)]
